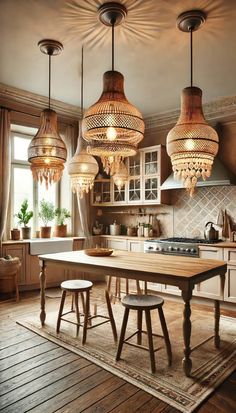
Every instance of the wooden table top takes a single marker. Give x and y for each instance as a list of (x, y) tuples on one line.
[(139, 262)]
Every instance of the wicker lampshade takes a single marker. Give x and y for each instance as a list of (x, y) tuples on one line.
[(192, 144), (113, 127), (121, 176), (47, 151)]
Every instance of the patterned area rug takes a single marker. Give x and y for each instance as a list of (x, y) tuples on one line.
[(210, 366)]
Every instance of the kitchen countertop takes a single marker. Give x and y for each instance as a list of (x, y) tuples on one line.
[(124, 237), (27, 241), (223, 244)]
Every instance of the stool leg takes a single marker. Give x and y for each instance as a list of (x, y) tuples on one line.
[(138, 287), (139, 326), (77, 313), (110, 313), (166, 335), (145, 287), (127, 286), (109, 283), (86, 315), (63, 297), (72, 303), (17, 287), (122, 333), (150, 341), (82, 301)]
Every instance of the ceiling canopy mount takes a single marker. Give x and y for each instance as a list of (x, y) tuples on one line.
[(112, 14), (191, 20), (50, 47)]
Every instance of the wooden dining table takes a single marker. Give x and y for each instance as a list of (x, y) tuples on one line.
[(183, 272)]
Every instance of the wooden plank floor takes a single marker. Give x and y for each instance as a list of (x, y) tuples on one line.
[(38, 376)]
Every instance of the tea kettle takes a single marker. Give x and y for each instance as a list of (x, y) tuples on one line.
[(211, 234)]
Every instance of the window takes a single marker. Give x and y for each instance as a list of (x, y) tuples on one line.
[(22, 184)]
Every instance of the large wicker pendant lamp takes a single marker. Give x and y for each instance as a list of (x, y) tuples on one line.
[(83, 167), (47, 151), (192, 144), (113, 127)]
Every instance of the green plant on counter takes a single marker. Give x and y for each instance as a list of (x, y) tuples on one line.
[(61, 214), (46, 212), (23, 215)]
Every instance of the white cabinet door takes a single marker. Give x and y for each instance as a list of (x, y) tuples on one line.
[(230, 284), (210, 288), (135, 245), (230, 280)]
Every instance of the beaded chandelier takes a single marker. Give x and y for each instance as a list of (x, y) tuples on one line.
[(47, 151), (121, 176), (113, 127), (83, 167), (192, 144)]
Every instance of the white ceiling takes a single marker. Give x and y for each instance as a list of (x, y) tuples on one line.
[(150, 51)]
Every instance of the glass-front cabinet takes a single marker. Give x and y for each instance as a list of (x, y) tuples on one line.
[(147, 171)]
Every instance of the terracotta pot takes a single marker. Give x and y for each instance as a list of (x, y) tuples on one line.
[(45, 232), (26, 232), (15, 234), (60, 231)]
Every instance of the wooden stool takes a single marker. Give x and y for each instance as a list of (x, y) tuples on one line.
[(145, 303), (79, 287), (118, 286)]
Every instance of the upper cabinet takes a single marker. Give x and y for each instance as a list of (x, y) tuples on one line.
[(147, 171)]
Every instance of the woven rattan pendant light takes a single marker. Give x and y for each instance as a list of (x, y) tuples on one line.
[(47, 151), (192, 144), (83, 167), (113, 127), (121, 176)]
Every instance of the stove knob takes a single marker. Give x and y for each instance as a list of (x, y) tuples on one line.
[(171, 248), (176, 248), (157, 248), (150, 248), (193, 251), (162, 249), (188, 250)]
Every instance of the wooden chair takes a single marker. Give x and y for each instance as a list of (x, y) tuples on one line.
[(77, 287), (144, 303), (10, 269)]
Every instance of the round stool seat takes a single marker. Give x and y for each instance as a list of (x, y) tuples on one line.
[(76, 285), (145, 302)]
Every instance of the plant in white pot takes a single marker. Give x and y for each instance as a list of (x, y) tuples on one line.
[(46, 214), (61, 214), (24, 216)]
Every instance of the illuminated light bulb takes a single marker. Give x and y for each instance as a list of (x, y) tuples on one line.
[(47, 161), (190, 144), (111, 133)]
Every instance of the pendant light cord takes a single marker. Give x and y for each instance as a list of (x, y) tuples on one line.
[(113, 22), (49, 80), (82, 82), (191, 56)]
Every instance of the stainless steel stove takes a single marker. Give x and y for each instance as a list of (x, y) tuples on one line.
[(176, 246)]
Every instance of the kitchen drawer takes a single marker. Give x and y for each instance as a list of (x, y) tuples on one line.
[(135, 246), (210, 252), (117, 244)]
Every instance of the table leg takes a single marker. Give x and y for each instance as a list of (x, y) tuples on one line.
[(42, 277), (187, 362), (217, 312)]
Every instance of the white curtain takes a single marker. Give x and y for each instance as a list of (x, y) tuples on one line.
[(4, 169)]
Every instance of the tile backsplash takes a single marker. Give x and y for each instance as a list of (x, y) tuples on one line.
[(191, 214)]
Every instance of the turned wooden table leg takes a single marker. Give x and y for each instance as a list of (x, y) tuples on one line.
[(187, 362), (217, 312), (42, 277)]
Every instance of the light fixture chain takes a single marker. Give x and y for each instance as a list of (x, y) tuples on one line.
[(82, 82)]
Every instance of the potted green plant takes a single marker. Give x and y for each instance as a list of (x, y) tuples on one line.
[(61, 214), (46, 214), (24, 216)]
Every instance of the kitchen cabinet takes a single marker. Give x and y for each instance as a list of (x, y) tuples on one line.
[(230, 280), (115, 243), (147, 171), (20, 251), (135, 245), (210, 288)]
